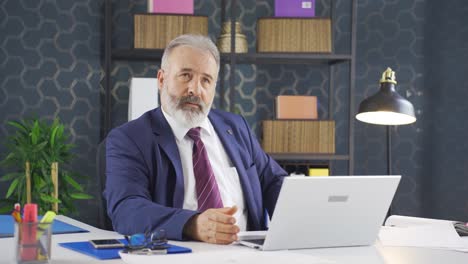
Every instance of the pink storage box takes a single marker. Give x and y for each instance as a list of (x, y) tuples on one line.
[(294, 8), (171, 6)]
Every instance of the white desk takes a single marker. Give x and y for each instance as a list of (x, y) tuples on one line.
[(373, 254)]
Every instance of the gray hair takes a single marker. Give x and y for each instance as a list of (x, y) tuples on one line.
[(197, 41)]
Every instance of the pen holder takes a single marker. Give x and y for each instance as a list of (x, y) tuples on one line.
[(33, 242)]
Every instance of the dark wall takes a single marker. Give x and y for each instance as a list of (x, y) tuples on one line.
[(50, 65), (425, 43), (445, 188), (391, 34)]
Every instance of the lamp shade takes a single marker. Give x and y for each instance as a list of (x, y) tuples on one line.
[(386, 107)]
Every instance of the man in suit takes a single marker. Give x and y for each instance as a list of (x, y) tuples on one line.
[(196, 172)]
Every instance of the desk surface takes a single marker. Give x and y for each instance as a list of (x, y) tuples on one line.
[(223, 254)]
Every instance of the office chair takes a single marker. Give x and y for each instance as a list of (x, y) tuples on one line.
[(104, 220)]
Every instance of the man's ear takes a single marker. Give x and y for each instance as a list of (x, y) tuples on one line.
[(160, 79)]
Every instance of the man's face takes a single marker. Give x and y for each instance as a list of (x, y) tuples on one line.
[(187, 86)]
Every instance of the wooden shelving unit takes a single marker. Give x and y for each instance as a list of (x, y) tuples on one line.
[(233, 59)]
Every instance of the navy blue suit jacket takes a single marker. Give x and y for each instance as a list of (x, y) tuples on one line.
[(145, 183)]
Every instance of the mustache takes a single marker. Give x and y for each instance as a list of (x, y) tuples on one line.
[(192, 99)]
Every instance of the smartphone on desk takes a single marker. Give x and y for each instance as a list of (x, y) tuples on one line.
[(106, 243)]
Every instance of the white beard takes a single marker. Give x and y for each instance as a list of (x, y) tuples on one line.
[(189, 116)]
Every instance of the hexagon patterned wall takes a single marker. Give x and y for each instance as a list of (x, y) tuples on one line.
[(50, 67), (390, 34)]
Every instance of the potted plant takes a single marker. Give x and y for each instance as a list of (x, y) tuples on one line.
[(38, 152)]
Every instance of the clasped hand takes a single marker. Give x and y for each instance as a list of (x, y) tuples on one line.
[(217, 226)]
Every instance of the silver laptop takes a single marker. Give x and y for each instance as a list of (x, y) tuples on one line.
[(334, 211)]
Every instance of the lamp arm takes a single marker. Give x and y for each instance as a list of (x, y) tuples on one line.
[(389, 162), (389, 150)]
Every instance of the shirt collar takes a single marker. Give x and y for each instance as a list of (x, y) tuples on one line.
[(180, 129)]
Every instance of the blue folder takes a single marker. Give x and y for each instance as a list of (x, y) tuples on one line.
[(86, 248), (58, 227)]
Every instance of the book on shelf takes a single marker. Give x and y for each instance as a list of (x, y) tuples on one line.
[(170, 6), (154, 31), (296, 107), (294, 8), (299, 136)]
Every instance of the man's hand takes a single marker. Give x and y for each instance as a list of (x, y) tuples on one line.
[(215, 226)]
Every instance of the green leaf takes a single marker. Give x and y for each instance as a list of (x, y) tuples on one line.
[(72, 182), (52, 136), (46, 157), (48, 198), (11, 176), (11, 156), (40, 146), (35, 133), (12, 188), (41, 183), (81, 196), (18, 125), (60, 131), (20, 195)]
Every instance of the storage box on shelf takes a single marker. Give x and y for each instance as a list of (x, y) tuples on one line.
[(299, 136), (294, 35), (296, 107), (294, 8), (154, 31)]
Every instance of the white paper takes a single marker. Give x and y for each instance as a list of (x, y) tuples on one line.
[(219, 257), (421, 232), (407, 221), (433, 236), (143, 96)]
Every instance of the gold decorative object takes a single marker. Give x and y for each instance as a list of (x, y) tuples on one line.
[(224, 40)]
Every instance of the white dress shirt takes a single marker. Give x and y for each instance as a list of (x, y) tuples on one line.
[(226, 175)]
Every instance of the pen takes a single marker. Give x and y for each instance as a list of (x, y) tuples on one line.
[(16, 217), (46, 220), (16, 213), (30, 213)]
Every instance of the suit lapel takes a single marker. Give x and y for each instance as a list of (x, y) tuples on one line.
[(165, 139), (226, 135)]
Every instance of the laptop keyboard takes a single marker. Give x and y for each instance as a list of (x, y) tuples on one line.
[(256, 241)]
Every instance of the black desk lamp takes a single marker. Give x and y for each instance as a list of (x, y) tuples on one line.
[(386, 107)]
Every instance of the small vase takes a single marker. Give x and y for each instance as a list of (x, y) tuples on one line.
[(224, 40)]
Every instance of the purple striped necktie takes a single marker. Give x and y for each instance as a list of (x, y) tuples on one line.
[(208, 195)]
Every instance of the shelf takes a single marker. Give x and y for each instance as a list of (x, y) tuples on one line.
[(255, 58), (287, 58), (307, 156), (137, 54)]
